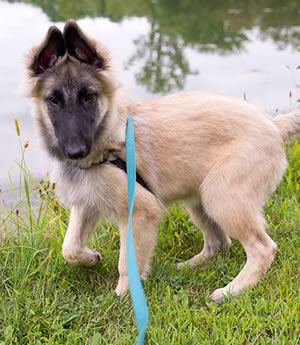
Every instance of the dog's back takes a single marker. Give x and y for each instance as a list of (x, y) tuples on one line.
[(190, 133)]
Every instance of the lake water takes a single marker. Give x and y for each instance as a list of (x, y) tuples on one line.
[(240, 48)]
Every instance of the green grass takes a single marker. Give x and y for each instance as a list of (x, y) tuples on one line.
[(46, 301)]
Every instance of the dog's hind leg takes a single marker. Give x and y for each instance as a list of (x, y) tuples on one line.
[(82, 223), (214, 237), (234, 199), (260, 250), (147, 213)]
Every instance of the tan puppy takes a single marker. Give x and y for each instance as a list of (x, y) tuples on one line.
[(219, 155)]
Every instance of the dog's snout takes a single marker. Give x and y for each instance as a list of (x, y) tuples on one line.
[(77, 152)]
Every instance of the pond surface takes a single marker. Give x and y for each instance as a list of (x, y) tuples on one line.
[(240, 48)]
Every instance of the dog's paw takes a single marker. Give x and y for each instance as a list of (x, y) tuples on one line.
[(122, 287), (191, 263), (86, 257), (91, 258), (219, 294), (181, 265)]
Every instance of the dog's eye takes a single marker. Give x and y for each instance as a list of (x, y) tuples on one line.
[(89, 97), (52, 100)]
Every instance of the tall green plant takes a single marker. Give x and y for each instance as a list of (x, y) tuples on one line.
[(298, 68)]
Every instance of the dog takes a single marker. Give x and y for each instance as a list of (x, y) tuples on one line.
[(220, 156)]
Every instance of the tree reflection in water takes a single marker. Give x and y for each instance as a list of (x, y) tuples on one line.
[(164, 65), (214, 26)]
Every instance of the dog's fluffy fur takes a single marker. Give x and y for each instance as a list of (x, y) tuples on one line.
[(219, 155)]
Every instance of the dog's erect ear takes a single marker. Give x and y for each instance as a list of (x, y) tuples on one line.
[(79, 47), (52, 48)]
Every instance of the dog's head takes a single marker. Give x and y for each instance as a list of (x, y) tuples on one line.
[(72, 82)]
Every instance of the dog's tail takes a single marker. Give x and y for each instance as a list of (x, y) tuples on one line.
[(288, 124)]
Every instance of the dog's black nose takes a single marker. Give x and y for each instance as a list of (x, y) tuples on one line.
[(77, 152)]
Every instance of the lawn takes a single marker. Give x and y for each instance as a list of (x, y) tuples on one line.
[(44, 300)]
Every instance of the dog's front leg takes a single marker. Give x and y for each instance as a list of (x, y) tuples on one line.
[(81, 225), (145, 219)]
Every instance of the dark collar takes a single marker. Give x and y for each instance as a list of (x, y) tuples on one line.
[(119, 163)]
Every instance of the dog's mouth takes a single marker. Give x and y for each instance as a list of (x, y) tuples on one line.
[(96, 158), (81, 162), (80, 156), (77, 152)]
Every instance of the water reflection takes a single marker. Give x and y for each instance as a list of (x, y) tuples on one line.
[(165, 66), (213, 26)]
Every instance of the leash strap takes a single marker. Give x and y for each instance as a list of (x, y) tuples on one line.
[(135, 286)]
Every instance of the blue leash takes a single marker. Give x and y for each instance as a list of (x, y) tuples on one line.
[(135, 286)]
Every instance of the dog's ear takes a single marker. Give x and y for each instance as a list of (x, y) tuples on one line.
[(79, 47), (48, 53)]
